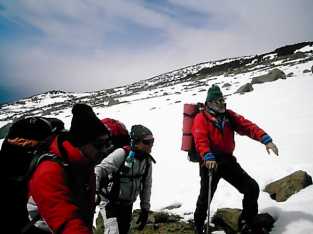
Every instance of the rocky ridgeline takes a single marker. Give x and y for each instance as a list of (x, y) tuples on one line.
[(225, 219), (195, 75)]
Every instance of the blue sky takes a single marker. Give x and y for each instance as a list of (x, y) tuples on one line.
[(87, 45)]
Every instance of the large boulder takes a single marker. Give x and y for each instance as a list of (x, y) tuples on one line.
[(282, 189), (226, 85), (273, 75), (227, 219), (245, 88)]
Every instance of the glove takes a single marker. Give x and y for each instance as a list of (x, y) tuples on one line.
[(142, 220), (209, 161)]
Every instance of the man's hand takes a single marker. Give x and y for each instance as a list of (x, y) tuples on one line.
[(142, 219), (211, 164), (271, 146)]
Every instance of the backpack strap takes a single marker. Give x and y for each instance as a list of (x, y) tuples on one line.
[(34, 164), (40, 158), (148, 167), (112, 193)]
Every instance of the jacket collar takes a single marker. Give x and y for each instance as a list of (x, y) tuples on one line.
[(73, 155)]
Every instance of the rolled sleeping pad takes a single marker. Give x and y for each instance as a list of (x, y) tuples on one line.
[(190, 111)]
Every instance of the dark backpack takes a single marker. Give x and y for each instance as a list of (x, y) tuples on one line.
[(25, 146)]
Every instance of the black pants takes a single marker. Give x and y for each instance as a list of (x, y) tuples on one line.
[(123, 213), (229, 170)]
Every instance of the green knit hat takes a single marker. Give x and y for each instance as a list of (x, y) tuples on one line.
[(214, 93)]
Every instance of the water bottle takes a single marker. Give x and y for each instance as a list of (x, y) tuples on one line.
[(130, 159)]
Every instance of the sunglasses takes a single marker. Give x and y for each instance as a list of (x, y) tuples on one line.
[(148, 141), (220, 100)]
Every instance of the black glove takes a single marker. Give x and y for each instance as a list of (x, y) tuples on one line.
[(142, 219)]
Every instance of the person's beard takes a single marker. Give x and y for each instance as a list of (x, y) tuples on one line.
[(218, 109)]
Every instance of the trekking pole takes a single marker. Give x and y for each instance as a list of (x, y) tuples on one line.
[(208, 231)]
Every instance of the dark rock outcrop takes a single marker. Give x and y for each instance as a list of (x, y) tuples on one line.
[(227, 220), (282, 189), (158, 222), (245, 88), (273, 75), (290, 49), (291, 74), (226, 85)]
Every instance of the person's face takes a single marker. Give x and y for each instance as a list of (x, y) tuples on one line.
[(95, 150), (218, 105), (146, 144)]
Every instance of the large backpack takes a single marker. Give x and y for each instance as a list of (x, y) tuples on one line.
[(119, 133), (188, 144), (25, 146)]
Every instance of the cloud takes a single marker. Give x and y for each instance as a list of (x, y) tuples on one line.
[(90, 45)]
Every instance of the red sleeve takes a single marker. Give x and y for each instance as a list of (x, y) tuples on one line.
[(53, 198), (246, 127), (200, 132)]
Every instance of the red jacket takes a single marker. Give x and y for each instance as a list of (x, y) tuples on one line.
[(65, 198), (212, 137)]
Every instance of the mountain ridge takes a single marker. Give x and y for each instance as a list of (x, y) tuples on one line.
[(192, 76)]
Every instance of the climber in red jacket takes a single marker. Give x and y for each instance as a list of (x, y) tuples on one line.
[(213, 131), (64, 193)]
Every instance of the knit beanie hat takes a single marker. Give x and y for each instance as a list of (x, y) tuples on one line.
[(138, 132), (85, 125), (214, 93)]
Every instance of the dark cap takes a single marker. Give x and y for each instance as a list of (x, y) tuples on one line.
[(138, 132)]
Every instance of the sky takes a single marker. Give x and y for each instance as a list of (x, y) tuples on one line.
[(284, 109), (88, 45)]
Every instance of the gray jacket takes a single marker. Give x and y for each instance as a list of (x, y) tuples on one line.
[(135, 181)]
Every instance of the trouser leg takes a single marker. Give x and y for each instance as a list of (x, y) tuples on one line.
[(124, 218), (232, 172), (123, 213), (200, 213)]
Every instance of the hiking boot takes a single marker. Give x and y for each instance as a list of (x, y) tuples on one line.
[(198, 230), (245, 228)]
